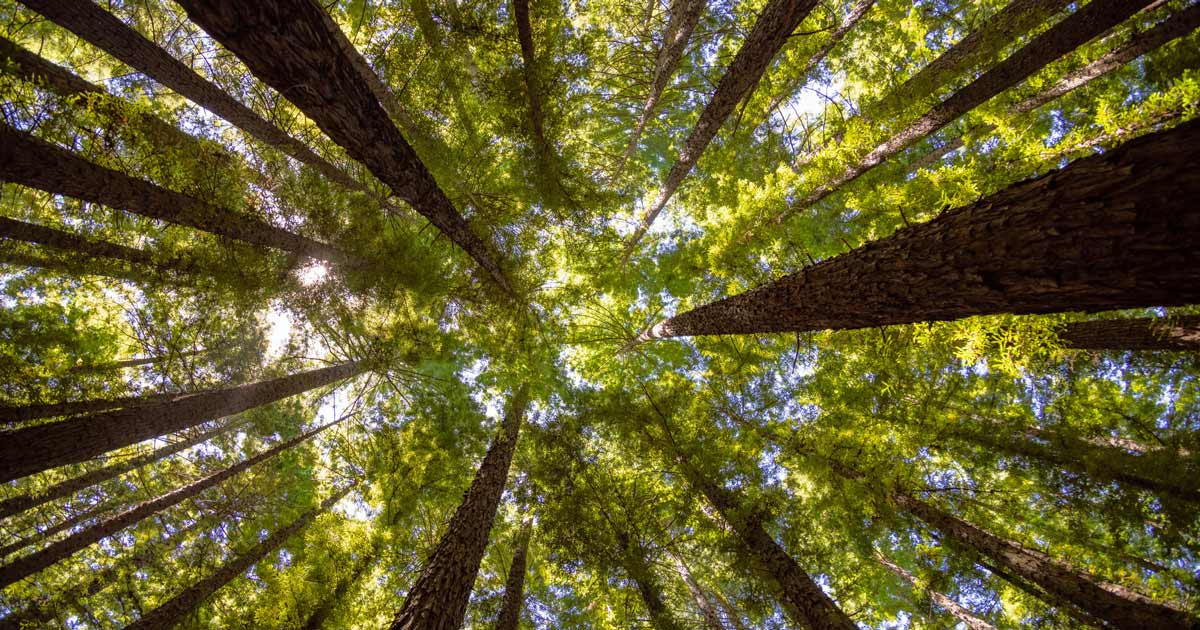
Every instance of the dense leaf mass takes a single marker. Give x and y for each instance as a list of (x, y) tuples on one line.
[(599, 314)]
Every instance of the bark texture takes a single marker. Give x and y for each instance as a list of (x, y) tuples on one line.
[(31, 161), (294, 46), (22, 413), (438, 599), (80, 246), (172, 612), (960, 612), (1134, 334), (62, 549), (1112, 231), (34, 449), (514, 585), (771, 31)]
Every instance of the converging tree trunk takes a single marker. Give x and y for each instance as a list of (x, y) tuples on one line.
[(639, 571), (960, 612), (438, 599), (22, 413), (81, 516), (34, 449), (122, 364), (1111, 231), (529, 68), (514, 585), (169, 614), (295, 47), (1134, 334), (80, 268), (62, 549), (80, 246), (316, 620), (712, 618), (432, 35)]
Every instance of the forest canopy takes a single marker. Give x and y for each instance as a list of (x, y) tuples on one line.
[(822, 314)]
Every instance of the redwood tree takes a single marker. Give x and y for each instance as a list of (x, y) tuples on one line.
[(514, 585), (1137, 334)]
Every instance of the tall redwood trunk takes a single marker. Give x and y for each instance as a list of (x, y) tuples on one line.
[(1141, 333), (1112, 231), (1088, 22), (68, 487), (316, 620), (529, 68), (960, 612), (80, 246), (13, 414), (294, 46), (169, 614), (638, 569), (438, 599), (514, 586), (79, 268), (34, 449), (62, 549), (712, 618), (30, 161), (443, 59), (771, 31)]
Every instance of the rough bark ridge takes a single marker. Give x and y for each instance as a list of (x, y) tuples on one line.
[(1112, 231), (685, 14), (960, 612), (438, 599), (712, 618), (31, 161), (62, 549), (34, 449), (1142, 333), (13, 415), (68, 487), (170, 613), (637, 568), (771, 31), (58, 239), (293, 46), (514, 585), (1075, 30)]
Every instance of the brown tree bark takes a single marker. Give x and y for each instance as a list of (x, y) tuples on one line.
[(21, 413), (63, 549), (79, 268), (960, 612), (31, 161), (529, 68), (1135, 334), (294, 46), (34, 449), (1075, 30), (639, 571), (771, 31), (438, 599), (68, 487), (169, 614), (712, 618), (80, 246), (1111, 231), (514, 586)]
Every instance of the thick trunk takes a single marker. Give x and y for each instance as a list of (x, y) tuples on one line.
[(771, 31), (514, 586), (79, 246), (294, 46), (712, 618), (34, 449), (169, 614), (62, 549), (31, 161), (317, 619), (638, 569), (960, 612), (1111, 231), (438, 599), (18, 504), (1143, 333), (1077, 29), (15, 414)]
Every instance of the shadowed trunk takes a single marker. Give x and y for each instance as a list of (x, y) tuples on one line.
[(22, 413), (1135, 334), (1111, 231), (34, 449), (320, 615), (529, 69), (960, 612), (438, 599), (514, 586), (169, 614), (79, 268), (639, 571), (80, 246), (432, 35), (712, 618), (63, 549)]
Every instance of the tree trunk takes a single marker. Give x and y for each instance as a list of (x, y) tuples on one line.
[(129, 363), (633, 560), (62, 526), (731, 612), (294, 46), (685, 14), (1075, 30), (1135, 334), (66, 488), (960, 612), (514, 586), (438, 599), (432, 35), (31, 161), (317, 619), (23, 413), (63, 549), (529, 68), (771, 31), (81, 268), (169, 614), (712, 619), (1111, 231), (80, 246), (34, 449)]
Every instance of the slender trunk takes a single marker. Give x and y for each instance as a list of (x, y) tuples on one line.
[(80, 246), (438, 599), (731, 612), (442, 59), (320, 615), (960, 612), (66, 488), (633, 560), (1143, 333), (31, 161), (529, 68), (23, 413), (81, 268), (62, 549), (169, 614), (81, 516), (771, 31), (129, 363), (712, 619), (34, 449), (685, 14), (1077, 29), (1111, 231), (514, 586), (294, 46)]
